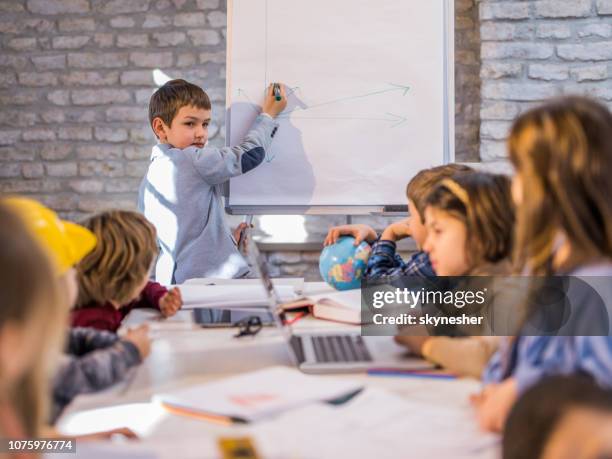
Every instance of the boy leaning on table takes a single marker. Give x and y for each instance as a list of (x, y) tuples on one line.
[(179, 193)]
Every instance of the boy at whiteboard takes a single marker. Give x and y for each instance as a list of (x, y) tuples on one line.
[(384, 262), (179, 193)]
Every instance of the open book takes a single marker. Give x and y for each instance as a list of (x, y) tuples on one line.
[(344, 306)]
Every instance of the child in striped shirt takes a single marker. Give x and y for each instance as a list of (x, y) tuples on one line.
[(384, 262)]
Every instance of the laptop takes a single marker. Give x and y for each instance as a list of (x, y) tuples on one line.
[(331, 351)]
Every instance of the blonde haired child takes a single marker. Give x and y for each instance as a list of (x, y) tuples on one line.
[(562, 153), (114, 277)]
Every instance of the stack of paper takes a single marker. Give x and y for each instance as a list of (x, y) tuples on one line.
[(260, 394), (296, 282), (228, 296), (379, 424)]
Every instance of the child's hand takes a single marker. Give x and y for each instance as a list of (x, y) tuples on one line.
[(171, 302), (396, 231), (109, 434), (360, 232), (237, 233), (494, 403), (139, 337), (413, 343), (271, 106)]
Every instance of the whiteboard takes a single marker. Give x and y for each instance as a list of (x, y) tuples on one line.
[(368, 107)]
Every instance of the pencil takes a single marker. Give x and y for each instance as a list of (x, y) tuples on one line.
[(410, 373)]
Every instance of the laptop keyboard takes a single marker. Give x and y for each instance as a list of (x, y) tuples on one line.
[(340, 348)]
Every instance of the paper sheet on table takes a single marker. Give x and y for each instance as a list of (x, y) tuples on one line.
[(377, 424), (296, 282), (141, 418), (228, 296), (258, 394)]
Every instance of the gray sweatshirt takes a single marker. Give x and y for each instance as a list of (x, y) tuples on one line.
[(94, 360), (180, 196)]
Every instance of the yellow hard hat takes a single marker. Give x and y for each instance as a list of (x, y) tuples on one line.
[(66, 242)]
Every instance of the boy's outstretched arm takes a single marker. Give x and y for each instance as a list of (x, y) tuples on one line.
[(360, 232), (217, 165)]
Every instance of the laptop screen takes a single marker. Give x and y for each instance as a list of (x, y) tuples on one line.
[(259, 263)]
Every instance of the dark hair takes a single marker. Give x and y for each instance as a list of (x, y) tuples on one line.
[(421, 184), (168, 100), (537, 413), (483, 202)]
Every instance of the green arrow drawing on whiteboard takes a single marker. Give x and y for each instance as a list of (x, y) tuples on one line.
[(396, 119), (395, 87), (399, 120)]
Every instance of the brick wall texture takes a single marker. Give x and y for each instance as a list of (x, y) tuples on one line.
[(75, 81), (535, 50)]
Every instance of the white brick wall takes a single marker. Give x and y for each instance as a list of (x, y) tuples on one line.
[(75, 80), (539, 49)]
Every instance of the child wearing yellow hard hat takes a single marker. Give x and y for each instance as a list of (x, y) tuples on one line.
[(65, 242), (94, 359)]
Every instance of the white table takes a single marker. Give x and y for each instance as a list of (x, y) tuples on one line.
[(184, 354)]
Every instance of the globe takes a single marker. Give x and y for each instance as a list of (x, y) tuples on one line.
[(343, 264)]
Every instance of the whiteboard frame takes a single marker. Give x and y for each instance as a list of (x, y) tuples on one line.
[(399, 208)]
